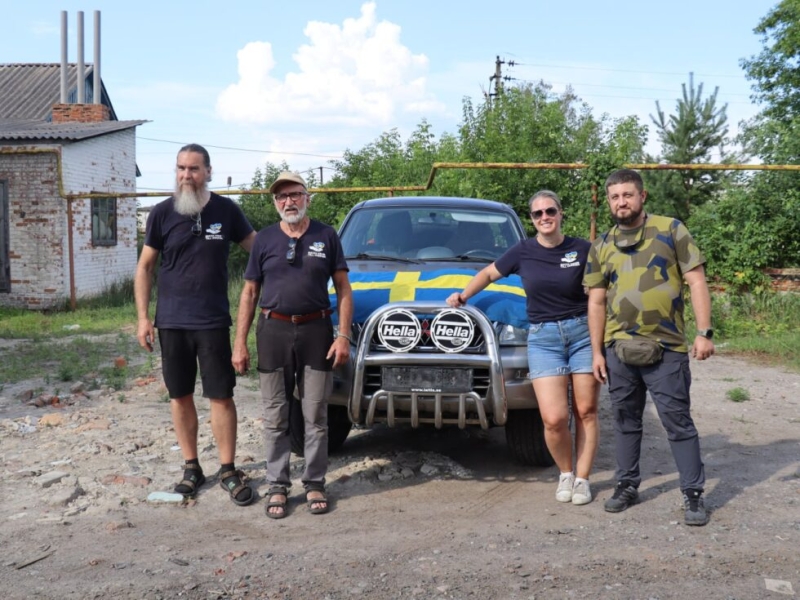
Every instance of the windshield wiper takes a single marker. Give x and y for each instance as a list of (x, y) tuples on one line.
[(370, 256), (473, 258)]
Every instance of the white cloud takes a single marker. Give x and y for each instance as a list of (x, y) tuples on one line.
[(355, 74)]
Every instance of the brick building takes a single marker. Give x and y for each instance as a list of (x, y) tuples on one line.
[(57, 244)]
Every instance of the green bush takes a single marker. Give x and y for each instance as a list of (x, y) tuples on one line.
[(747, 230)]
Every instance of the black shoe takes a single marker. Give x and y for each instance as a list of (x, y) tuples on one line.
[(625, 495), (695, 509)]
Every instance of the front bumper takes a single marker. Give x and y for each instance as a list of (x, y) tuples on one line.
[(499, 379)]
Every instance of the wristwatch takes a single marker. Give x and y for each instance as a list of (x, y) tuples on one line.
[(706, 333)]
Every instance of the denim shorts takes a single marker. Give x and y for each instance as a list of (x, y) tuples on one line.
[(559, 348)]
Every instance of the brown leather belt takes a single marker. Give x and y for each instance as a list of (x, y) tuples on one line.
[(320, 314)]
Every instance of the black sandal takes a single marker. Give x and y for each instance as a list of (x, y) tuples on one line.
[(193, 478), (317, 510), (276, 490), (236, 486)]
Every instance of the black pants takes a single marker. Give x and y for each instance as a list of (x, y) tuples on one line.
[(668, 382)]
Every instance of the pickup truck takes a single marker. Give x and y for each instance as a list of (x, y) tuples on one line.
[(414, 360)]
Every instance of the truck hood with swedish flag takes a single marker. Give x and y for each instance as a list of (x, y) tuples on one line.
[(502, 301)]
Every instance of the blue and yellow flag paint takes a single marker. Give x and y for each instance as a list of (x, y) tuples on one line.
[(503, 300)]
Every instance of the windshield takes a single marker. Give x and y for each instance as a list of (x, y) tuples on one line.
[(429, 233)]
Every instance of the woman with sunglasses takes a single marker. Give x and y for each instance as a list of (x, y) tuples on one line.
[(551, 266)]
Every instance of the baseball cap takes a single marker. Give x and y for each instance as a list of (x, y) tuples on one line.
[(287, 177)]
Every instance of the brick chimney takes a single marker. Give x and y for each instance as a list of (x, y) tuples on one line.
[(80, 113)]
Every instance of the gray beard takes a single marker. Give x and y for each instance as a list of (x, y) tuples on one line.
[(188, 201), (293, 218)]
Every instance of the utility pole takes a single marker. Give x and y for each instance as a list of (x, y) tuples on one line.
[(321, 181), (498, 77)]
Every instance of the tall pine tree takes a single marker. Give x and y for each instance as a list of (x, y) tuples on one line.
[(696, 133)]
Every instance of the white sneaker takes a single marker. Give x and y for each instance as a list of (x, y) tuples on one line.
[(565, 484), (581, 492)]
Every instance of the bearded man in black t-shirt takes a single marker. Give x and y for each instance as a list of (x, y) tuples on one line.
[(192, 232), (287, 277)]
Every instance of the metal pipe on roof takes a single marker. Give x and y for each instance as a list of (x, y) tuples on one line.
[(81, 77), (63, 57), (98, 86)]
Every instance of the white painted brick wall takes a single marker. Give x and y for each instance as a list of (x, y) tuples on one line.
[(102, 164), (37, 226), (38, 241)]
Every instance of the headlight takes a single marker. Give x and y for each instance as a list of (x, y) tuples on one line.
[(508, 335)]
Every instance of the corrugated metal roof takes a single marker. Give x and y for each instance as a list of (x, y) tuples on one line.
[(32, 130), (29, 91)]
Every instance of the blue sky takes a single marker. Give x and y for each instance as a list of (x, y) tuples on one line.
[(302, 81)]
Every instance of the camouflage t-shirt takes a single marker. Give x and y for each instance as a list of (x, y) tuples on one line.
[(642, 271)]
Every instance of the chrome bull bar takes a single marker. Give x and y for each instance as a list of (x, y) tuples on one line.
[(493, 406), (438, 420)]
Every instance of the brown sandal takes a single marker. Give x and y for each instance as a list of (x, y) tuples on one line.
[(276, 490), (235, 486), (317, 510), (193, 478)]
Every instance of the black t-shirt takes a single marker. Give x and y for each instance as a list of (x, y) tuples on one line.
[(299, 287), (552, 277), (193, 276)]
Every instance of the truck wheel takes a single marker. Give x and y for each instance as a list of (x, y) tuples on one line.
[(525, 438), (338, 427)]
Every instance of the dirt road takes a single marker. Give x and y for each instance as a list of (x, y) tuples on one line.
[(415, 514)]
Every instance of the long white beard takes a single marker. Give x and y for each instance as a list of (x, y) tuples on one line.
[(294, 217), (189, 201)]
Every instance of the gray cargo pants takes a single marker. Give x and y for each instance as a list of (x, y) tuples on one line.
[(668, 382), (293, 356)]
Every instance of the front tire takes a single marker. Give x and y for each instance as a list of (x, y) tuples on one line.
[(525, 438), (339, 426)]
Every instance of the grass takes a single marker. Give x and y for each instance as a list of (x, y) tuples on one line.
[(110, 312), (77, 358), (62, 346), (763, 327), (66, 346), (737, 394)]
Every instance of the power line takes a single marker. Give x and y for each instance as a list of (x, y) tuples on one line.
[(622, 70), (590, 95), (624, 87), (243, 149)]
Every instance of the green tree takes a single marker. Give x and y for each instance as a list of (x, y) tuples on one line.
[(386, 162), (696, 133), (747, 230), (775, 75), (531, 124), (756, 224), (775, 71), (523, 124)]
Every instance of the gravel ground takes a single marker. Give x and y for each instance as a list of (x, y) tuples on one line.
[(415, 513)]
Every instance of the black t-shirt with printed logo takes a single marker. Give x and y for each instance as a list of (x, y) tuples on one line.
[(552, 277), (298, 287), (193, 275)]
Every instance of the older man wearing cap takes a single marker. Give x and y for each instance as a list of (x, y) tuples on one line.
[(287, 277)]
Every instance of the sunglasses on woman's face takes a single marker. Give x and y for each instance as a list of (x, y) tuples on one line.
[(550, 211), (290, 253)]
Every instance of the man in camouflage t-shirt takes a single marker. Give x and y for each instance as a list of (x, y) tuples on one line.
[(635, 274)]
